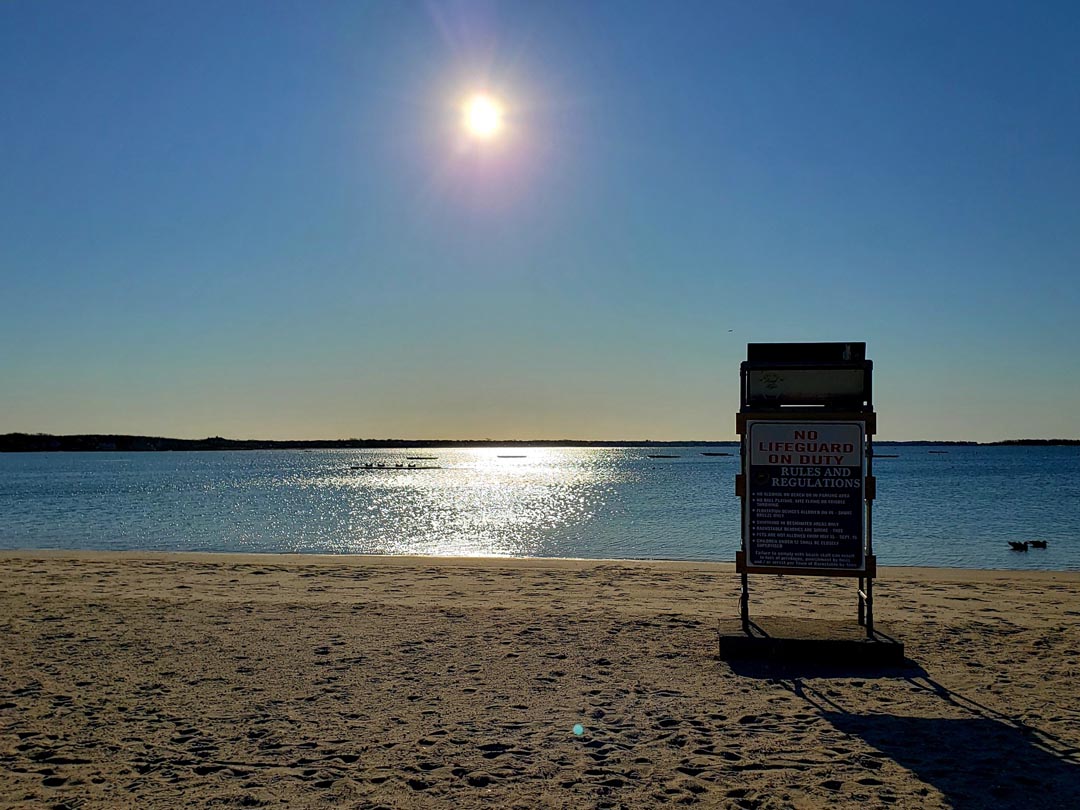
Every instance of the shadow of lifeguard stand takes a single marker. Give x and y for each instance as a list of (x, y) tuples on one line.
[(807, 486)]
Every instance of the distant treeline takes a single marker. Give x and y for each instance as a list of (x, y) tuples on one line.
[(1037, 442), (926, 441), (43, 442)]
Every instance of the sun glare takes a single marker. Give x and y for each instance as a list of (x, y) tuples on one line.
[(483, 116)]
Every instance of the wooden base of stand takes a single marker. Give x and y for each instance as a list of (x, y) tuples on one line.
[(807, 641)]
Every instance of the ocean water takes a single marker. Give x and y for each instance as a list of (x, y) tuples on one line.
[(957, 508)]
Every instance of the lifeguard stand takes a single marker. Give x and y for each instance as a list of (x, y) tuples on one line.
[(807, 486)]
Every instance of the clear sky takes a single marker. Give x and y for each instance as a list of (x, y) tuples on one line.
[(264, 219)]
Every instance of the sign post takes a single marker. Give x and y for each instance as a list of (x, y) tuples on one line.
[(807, 485)]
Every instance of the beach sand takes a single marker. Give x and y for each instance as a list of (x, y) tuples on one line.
[(142, 680)]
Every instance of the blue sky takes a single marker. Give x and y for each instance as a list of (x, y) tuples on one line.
[(262, 219)]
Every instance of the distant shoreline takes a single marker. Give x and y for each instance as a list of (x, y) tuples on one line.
[(47, 443)]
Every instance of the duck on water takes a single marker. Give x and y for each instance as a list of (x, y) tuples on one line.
[(1016, 546)]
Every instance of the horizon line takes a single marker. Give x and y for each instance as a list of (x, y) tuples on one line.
[(22, 438)]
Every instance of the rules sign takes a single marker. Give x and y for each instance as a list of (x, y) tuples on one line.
[(805, 487)]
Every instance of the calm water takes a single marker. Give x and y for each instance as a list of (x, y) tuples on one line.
[(952, 509)]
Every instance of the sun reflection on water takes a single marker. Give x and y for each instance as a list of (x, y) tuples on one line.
[(483, 502), (544, 502)]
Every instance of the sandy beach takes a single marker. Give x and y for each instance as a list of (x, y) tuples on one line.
[(142, 680)]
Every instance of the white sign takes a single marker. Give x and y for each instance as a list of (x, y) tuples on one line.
[(804, 494)]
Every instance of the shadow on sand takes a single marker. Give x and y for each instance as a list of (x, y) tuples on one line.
[(985, 760), (975, 762)]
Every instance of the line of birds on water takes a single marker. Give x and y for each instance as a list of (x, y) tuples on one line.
[(398, 466), (1016, 546)]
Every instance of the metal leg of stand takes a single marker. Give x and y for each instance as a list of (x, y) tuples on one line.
[(869, 558), (744, 604), (869, 607), (862, 606)]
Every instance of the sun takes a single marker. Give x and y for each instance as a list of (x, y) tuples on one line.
[(483, 116)]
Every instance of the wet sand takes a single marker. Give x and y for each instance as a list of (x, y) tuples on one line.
[(141, 680)]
